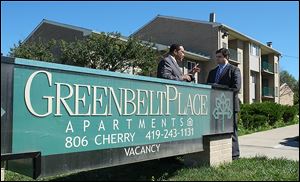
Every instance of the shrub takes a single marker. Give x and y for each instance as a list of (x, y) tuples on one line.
[(289, 113), (257, 115)]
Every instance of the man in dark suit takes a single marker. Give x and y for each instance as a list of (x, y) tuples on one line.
[(168, 68), (229, 75)]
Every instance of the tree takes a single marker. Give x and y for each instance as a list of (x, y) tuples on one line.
[(100, 51), (296, 93), (287, 78), (37, 50)]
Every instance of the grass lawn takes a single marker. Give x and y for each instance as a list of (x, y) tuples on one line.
[(257, 168)]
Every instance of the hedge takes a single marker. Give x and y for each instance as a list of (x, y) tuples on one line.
[(256, 115)]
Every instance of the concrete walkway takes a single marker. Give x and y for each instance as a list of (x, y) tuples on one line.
[(276, 143)]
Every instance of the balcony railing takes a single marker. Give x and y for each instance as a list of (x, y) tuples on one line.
[(265, 66), (268, 91)]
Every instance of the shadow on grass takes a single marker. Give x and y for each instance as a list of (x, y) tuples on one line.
[(159, 169), (259, 168)]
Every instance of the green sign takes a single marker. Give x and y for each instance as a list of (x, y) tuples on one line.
[(69, 113)]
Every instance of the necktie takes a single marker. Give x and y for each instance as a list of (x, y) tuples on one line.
[(218, 75)]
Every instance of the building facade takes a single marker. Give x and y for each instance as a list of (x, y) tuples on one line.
[(258, 62), (286, 95)]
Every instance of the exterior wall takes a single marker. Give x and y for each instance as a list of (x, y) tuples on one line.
[(254, 68), (223, 41), (259, 80), (248, 63), (254, 63), (169, 31), (246, 72), (238, 46), (276, 78), (240, 50), (253, 82), (286, 95), (206, 39), (48, 31)]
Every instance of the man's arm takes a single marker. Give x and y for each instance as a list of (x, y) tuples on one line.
[(237, 80), (166, 72)]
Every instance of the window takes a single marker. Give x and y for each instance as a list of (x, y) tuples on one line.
[(224, 45), (253, 76), (265, 82), (276, 68), (254, 49), (276, 91)]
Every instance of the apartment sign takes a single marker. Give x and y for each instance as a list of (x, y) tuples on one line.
[(66, 111)]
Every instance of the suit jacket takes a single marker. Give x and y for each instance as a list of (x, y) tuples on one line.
[(231, 77), (168, 69)]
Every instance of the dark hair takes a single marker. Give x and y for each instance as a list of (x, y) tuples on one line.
[(174, 47), (225, 52)]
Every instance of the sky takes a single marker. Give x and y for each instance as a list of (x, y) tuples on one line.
[(277, 22)]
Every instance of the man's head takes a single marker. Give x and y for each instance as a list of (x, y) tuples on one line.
[(222, 55), (177, 51)]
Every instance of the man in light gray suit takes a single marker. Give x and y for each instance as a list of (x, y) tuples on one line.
[(168, 68)]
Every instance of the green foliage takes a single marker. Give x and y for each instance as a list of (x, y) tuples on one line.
[(289, 113), (105, 51), (258, 114), (296, 93), (259, 168), (38, 50), (287, 78), (266, 115)]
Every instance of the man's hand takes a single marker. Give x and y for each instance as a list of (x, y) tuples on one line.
[(186, 77), (195, 69)]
